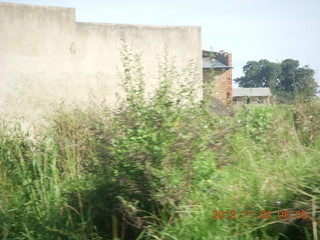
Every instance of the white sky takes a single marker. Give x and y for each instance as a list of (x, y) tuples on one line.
[(249, 29)]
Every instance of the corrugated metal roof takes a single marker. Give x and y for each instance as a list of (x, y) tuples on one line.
[(209, 63), (251, 92)]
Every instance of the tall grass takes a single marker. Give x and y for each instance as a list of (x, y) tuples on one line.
[(158, 165)]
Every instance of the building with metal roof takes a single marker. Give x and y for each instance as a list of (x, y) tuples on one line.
[(217, 74), (251, 96), (251, 92), (208, 63)]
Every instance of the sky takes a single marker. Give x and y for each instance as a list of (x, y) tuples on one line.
[(249, 29)]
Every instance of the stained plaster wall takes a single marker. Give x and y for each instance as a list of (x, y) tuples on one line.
[(46, 57)]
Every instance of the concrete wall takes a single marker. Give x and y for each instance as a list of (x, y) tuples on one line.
[(46, 57)]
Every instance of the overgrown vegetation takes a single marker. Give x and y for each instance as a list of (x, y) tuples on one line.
[(158, 166)]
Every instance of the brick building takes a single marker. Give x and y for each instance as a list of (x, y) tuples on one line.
[(217, 75)]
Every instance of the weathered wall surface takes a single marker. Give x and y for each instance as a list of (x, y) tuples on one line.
[(221, 87), (46, 57)]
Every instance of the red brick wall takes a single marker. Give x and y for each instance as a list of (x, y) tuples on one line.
[(221, 87), (224, 57)]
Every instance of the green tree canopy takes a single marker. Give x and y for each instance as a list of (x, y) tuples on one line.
[(286, 79), (259, 74)]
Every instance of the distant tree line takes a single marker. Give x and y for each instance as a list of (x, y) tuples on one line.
[(287, 80)]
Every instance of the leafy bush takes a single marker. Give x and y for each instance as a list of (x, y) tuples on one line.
[(257, 121)]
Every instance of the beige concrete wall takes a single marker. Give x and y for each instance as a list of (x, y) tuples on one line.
[(46, 57)]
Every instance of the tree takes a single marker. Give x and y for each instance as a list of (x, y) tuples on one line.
[(287, 79), (298, 81), (259, 74)]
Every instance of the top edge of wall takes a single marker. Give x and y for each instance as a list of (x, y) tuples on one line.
[(35, 6), (135, 25)]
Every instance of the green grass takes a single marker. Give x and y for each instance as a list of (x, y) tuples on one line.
[(160, 173), (158, 166)]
